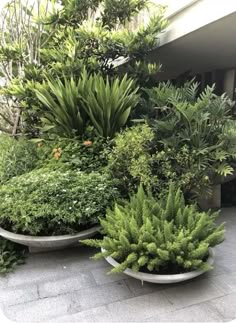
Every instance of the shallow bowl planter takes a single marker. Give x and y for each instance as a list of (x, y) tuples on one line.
[(162, 279), (49, 242)]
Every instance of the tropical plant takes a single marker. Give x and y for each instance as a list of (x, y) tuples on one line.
[(11, 255), (203, 124), (164, 237), (16, 157), (108, 103), (63, 102), (52, 202)]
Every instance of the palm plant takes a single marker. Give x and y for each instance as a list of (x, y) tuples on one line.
[(202, 123)]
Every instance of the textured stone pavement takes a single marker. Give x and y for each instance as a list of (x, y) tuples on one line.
[(67, 286)]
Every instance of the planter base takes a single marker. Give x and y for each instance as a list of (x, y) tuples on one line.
[(49, 243), (163, 279)]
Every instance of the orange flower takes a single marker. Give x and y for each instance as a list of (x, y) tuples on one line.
[(87, 143), (57, 153)]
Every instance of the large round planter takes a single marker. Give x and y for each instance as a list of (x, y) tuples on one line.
[(163, 279), (49, 242)]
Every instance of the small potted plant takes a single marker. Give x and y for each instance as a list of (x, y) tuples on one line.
[(51, 208), (162, 241)]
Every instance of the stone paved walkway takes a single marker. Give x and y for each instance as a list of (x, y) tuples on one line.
[(67, 286)]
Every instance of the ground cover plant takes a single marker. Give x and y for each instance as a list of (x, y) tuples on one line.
[(163, 236), (11, 255), (85, 154), (53, 202)]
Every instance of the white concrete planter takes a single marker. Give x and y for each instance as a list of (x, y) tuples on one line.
[(163, 279), (49, 242)]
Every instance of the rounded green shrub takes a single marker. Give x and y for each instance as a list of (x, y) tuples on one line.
[(52, 202), (164, 237), (17, 156)]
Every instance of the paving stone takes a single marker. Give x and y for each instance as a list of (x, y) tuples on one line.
[(98, 314), (193, 292), (101, 276), (225, 282), (195, 313), (138, 288), (101, 295), (86, 294), (65, 285), (25, 275), (13, 296), (41, 310), (139, 308), (226, 306), (3, 281)]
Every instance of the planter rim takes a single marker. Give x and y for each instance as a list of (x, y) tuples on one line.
[(10, 235), (162, 279)]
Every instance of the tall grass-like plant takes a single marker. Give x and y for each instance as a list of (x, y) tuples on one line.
[(64, 114), (108, 103), (104, 104)]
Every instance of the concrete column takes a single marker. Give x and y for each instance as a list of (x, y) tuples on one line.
[(229, 83)]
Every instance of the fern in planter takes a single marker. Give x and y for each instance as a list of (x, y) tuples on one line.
[(165, 237)]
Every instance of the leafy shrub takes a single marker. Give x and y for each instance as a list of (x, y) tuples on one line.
[(130, 159), (16, 157), (136, 158), (86, 155), (11, 255), (165, 236), (52, 202)]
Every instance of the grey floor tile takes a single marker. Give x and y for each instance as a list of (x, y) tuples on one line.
[(193, 292), (139, 308), (138, 288), (102, 295), (196, 313), (225, 282), (226, 306), (41, 310), (13, 296), (98, 314), (101, 275), (57, 286)]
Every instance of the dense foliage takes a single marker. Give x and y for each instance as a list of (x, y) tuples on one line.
[(163, 236), (52, 42), (16, 157), (87, 155), (71, 105), (52, 202), (191, 141), (11, 255)]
